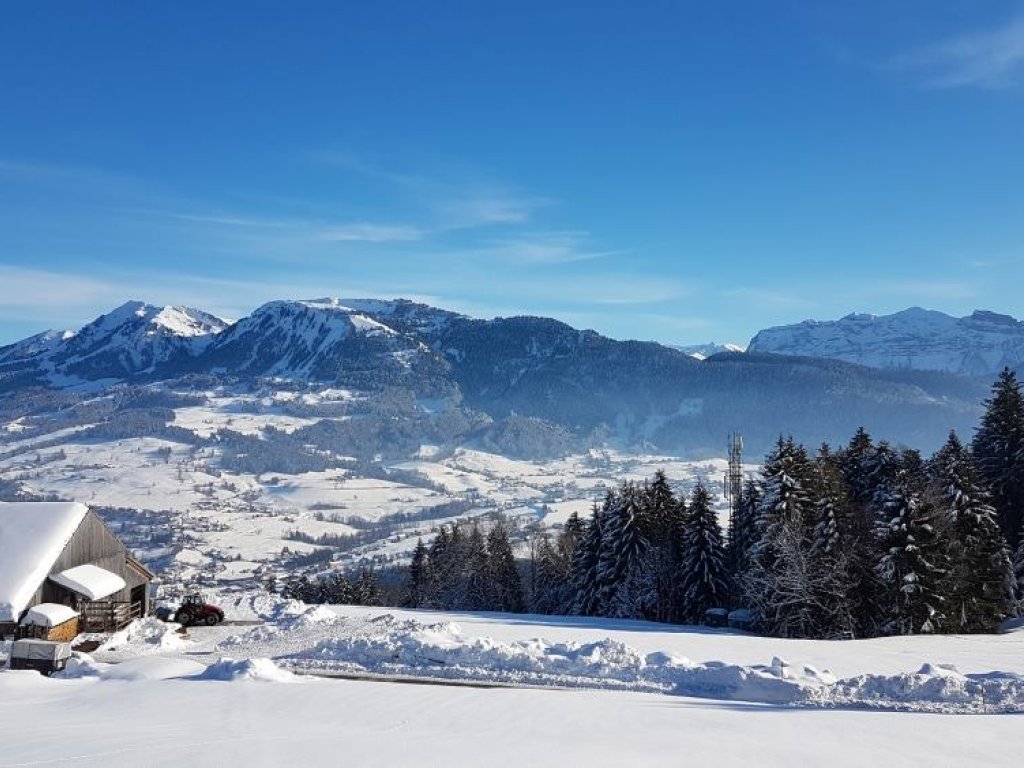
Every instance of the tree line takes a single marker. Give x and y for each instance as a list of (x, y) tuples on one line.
[(868, 539)]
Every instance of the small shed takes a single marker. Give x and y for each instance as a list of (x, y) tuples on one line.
[(742, 618), (49, 621), (62, 553)]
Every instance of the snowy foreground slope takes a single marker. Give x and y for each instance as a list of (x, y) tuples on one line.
[(605, 693)]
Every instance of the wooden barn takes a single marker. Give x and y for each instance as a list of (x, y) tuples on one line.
[(62, 571)]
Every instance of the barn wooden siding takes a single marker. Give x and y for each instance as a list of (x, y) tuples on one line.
[(94, 543)]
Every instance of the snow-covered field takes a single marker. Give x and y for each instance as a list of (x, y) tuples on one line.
[(232, 526), (603, 693)]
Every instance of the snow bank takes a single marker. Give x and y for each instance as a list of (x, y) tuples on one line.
[(82, 665), (935, 687), (145, 636), (232, 670), (442, 651)]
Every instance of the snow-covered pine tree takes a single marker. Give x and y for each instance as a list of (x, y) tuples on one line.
[(480, 592), (779, 584), (980, 582), (702, 573), (786, 476), (855, 463), (743, 533), (999, 453), (419, 576), (859, 463), (831, 550), (365, 590), (912, 562), (572, 532), (583, 581), (504, 573), (622, 576), (439, 557), (661, 526), (550, 586)]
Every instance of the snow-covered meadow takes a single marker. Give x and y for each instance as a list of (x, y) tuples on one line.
[(571, 690), (231, 526)]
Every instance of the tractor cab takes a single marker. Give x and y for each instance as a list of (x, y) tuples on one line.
[(194, 600)]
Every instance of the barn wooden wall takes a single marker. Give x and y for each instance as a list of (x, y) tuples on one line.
[(92, 543)]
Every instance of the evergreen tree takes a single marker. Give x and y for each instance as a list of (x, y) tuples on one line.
[(980, 577), (550, 589), (831, 551), (855, 462), (624, 583), (583, 580), (419, 576), (504, 573), (702, 574), (783, 585), (365, 590), (661, 527), (912, 562), (784, 498), (743, 532), (999, 453), (481, 593)]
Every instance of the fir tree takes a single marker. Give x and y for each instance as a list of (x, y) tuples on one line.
[(911, 564), (504, 573), (743, 531), (583, 580), (661, 526), (551, 582), (702, 572), (980, 578), (784, 497), (624, 582), (419, 576), (481, 593), (999, 453)]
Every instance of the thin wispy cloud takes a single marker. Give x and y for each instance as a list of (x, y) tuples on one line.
[(544, 248), (39, 295), (991, 58), (455, 203)]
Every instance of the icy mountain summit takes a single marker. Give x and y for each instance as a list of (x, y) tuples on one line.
[(134, 338), (980, 344)]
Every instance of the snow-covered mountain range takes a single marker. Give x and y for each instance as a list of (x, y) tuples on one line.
[(133, 339), (980, 344), (576, 382)]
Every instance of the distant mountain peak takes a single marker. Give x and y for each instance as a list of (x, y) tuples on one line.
[(980, 344), (704, 351)]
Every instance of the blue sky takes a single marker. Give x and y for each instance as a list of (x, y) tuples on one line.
[(656, 170)]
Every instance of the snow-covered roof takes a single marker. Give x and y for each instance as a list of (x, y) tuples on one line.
[(49, 614), (32, 536), (90, 581)]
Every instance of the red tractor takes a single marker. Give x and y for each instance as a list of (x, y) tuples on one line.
[(194, 611)]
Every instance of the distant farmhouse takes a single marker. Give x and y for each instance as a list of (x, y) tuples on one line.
[(62, 571)]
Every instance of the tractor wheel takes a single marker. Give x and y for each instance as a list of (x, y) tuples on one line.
[(183, 617), (211, 619)]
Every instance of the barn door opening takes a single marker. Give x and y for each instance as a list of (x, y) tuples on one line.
[(138, 600)]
